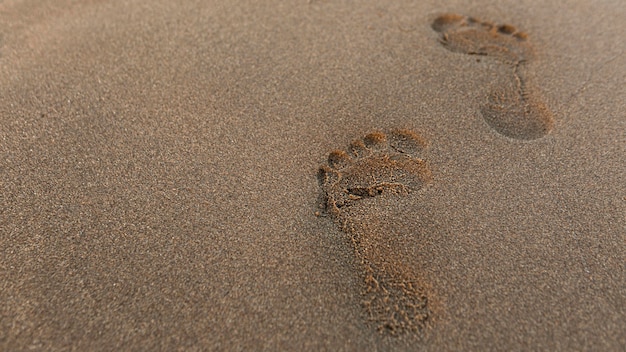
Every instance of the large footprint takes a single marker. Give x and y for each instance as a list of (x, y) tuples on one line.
[(377, 168), (512, 109)]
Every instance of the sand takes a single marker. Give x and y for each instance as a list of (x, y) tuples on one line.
[(160, 186)]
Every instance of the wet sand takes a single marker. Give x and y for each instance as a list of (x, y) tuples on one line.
[(160, 184)]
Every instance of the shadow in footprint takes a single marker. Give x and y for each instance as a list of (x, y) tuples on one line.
[(355, 183), (512, 109)]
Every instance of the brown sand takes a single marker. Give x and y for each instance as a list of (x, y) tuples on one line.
[(158, 175)]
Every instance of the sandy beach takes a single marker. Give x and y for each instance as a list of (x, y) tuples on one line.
[(312, 175)]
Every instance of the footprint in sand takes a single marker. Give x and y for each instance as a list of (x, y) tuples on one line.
[(512, 109), (355, 183)]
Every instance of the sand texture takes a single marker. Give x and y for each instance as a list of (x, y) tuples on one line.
[(312, 175)]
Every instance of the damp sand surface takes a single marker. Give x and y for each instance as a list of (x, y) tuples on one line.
[(161, 187)]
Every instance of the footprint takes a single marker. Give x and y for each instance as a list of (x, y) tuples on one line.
[(512, 109), (355, 185)]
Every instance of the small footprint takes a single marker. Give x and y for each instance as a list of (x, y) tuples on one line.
[(379, 166), (512, 109)]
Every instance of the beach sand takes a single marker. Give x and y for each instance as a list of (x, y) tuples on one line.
[(161, 186)]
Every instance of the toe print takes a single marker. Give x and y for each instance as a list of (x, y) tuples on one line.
[(512, 109), (379, 166), (468, 35)]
